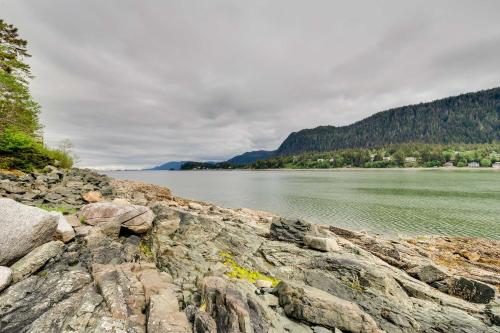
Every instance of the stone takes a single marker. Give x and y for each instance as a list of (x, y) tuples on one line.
[(92, 196), (121, 201), (428, 273), (195, 206), (203, 323), (165, 316), (64, 231), (472, 256), (23, 229), (320, 329), (472, 291), (289, 230), (36, 259), (11, 187), (320, 308), (270, 299), (263, 284), (138, 219), (321, 243), (5, 277)]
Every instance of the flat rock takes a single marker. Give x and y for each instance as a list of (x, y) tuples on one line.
[(165, 316), (34, 260), (23, 229), (138, 219), (321, 243), (320, 308), (289, 230), (5, 277), (472, 291), (428, 273), (64, 231)]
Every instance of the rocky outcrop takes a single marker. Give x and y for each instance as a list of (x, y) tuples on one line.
[(23, 229), (184, 266), (64, 231)]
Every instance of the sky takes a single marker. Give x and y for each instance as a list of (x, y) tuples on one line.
[(135, 84)]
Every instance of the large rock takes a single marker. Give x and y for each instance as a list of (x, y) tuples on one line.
[(34, 260), (472, 291), (165, 316), (138, 219), (5, 277), (64, 231), (324, 244), (290, 230), (428, 273), (320, 308), (23, 229), (92, 196)]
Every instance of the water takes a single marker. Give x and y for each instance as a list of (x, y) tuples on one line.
[(404, 202)]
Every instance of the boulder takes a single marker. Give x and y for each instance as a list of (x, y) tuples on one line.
[(64, 231), (428, 273), (92, 196), (263, 284), (5, 277), (165, 316), (121, 201), (23, 229), (289, 230), (138, 219), (471, 290), (317, 307), (321, 243), (195, 206), (34, 260)]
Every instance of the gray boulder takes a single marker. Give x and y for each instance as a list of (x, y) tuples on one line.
[(138, 219), (34, 260), (325, 244), (289, 230), (23, 229), (5, 277), (428, 273), (472, 291), (64, 231)]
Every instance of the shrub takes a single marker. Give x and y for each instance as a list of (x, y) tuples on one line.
[(21, 151), (486, 163)]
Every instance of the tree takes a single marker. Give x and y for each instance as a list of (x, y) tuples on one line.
[(17, 109)]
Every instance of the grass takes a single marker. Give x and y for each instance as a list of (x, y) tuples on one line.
[(61, 209), (243, 273)]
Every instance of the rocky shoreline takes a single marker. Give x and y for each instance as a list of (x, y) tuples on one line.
[(121, 256)]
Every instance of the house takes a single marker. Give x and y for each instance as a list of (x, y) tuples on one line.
[(496, 165), (473, 165), (387, 158), (448, 164), (410, 159), (320, 160), (332, 160)]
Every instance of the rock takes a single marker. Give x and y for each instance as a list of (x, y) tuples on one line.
[(472, 256), (5, 277), (289, 230), (320, 329), (64, 231), (472, 291), (270, 300), (165, 316), (320, 308), (23, 229), (195, 206), (428, 273), (321, 243), (11, 187), (138, 219), (263, 284), (120, 201), (92, 196), (203, 323), (34, 260)]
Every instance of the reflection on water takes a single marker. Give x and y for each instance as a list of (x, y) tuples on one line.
[(380, 201)]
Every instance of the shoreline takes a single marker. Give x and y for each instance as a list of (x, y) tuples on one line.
[(326, 169), (182, 264)]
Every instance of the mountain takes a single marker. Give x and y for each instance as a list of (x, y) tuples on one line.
[(250, 157), (467, 118), (174, 165)]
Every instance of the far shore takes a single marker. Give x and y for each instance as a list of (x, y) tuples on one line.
[(334, 169)]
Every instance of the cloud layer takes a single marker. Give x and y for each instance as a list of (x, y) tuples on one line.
[(136, 83)]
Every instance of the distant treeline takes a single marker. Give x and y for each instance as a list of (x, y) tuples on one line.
[(392, 156)]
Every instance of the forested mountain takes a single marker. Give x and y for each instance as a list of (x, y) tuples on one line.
[(468, 118), (250, 157)]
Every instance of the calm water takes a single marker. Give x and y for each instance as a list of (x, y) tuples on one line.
[(406, 202)]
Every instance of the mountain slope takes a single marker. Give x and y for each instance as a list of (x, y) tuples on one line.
[(174, 165), (250, 157), (468, 118)]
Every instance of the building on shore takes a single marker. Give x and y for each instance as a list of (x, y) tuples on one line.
[(496, 165), (410, 159), (473, 165), (448, 165)]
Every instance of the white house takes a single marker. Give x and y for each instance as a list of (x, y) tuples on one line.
[(410, 159), (387, 158), (496, 165), (448, 164), (473, 165)]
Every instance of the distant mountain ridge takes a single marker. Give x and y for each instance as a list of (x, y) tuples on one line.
[(467, 118), (250, 157), (174, 165)]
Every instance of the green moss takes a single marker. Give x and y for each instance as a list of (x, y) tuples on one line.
[(82, 220), (145, 249), (243, 273), (61, 209), (353, 284)]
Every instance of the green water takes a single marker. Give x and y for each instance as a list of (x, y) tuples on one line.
[(405, 202)]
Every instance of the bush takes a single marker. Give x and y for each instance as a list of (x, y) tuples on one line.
[(486, 163), (380, 164), (21, 151)]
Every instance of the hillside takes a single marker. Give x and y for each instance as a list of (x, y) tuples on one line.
[(250, 157), (467, 118), (174, 165)]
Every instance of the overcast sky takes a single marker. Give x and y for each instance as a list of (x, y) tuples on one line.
[(138, 83)]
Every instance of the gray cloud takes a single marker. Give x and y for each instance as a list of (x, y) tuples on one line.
[(135, 84)]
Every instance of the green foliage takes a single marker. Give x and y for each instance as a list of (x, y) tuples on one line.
[(61, 209), (19, 150), (485, 162)]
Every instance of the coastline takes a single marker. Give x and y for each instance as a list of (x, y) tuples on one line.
[(328, 169), (241, 267)]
